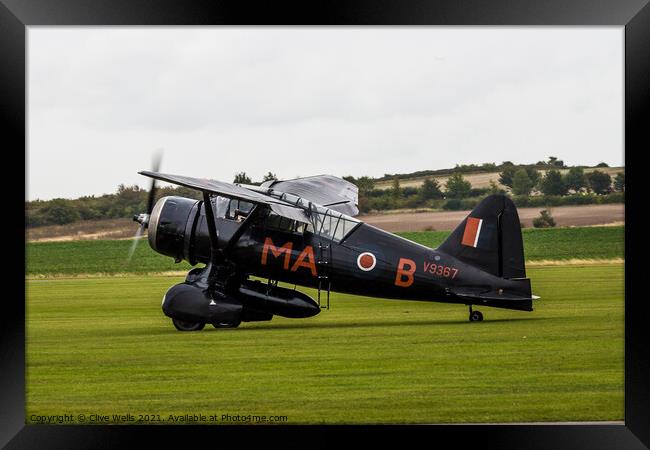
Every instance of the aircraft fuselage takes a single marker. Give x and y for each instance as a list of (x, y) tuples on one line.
[(369, 262)]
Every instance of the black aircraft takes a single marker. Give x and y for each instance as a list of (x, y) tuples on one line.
[(303, 232)]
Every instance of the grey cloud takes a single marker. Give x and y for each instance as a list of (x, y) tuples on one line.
[(300, 101)]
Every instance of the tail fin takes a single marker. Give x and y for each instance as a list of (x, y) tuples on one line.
[(490, 238)]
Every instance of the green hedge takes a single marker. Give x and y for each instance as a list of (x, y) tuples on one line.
[(575, 199)]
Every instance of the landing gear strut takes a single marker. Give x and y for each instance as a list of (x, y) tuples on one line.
[(475, 316)]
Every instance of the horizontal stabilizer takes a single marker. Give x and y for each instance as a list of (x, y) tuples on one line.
[(519, 304), (494, 296), (517, 296)]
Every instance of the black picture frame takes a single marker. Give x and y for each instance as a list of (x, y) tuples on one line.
[(634, 15)]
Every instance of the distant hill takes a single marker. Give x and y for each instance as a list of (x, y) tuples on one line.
[(477, 179)]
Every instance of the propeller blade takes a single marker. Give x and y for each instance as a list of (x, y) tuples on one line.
[(155, 167), (136, 239), (144, 218)]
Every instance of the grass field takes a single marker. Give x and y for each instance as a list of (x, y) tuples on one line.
[(101, 256), (553, 243), (108, 256), (103, 346)]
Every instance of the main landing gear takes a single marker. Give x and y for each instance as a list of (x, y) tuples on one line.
[(184, 325), (475, 316), (226, 324)]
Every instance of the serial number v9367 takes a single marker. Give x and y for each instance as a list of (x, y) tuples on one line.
[(440, 270)]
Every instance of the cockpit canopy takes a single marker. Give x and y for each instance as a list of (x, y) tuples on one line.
[(324, 222)]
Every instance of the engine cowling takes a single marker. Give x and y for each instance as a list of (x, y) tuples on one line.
[(171, 226)]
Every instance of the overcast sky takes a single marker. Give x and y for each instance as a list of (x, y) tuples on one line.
[(306, 101)]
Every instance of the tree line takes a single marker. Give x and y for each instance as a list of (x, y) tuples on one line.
[(553, 162), (524, 180), (125, 203), (525, 183)]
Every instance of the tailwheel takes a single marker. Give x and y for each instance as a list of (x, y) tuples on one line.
[(226, 324), (184, 325), (475, 316)]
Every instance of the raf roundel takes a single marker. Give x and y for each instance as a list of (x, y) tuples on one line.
[(366, 261)]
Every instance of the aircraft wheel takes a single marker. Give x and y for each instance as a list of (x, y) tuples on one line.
[(226, 324), (476, 316), (184, 325)]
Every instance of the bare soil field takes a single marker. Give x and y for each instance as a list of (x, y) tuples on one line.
[(482, 180), (84, 230), (564, 216)]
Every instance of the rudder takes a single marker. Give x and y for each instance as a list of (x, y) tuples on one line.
[(490, 238)]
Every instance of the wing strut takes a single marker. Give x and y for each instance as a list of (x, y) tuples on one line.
[(216, 257), (221, 269), (255, 211), (212, 229)]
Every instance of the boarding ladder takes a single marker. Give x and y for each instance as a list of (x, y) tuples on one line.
[(323, 261)]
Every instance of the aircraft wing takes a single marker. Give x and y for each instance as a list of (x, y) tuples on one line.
[(326, 190), (278, 206)]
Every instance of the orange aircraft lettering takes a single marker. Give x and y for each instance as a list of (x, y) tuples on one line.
[(404, 276), (286, 249), (308, 253)]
